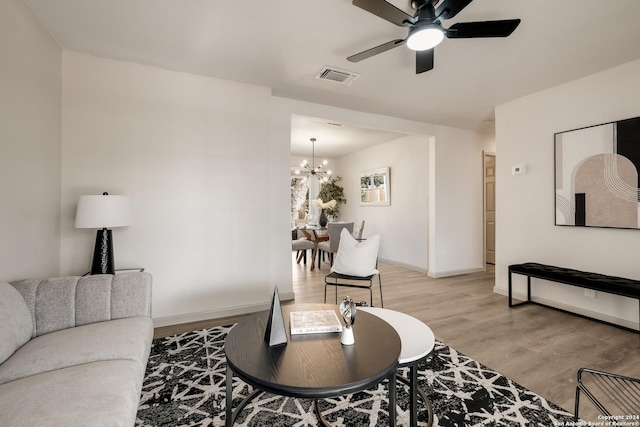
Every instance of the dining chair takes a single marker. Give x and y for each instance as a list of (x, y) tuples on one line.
[(331, 246), (355, 265), (302, 245), (357, 230)]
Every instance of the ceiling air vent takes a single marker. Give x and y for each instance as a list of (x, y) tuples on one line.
[(337, 76)]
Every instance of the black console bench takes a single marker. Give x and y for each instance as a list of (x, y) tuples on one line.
[(597, 282)]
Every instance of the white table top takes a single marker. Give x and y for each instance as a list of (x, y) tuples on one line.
[(417, 338)]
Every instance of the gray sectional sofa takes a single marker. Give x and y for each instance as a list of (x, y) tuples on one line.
[(73, 350)]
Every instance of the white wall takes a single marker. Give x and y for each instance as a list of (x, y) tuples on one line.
[(204, 160), (456, 239), (525, 203), (403, 226), (29, 146), (455, 228), (196, 156)]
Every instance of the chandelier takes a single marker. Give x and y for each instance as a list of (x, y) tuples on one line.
[(317, 171)]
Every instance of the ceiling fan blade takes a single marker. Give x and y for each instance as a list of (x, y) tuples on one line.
[(375, 50), (466, 30), (450, 8), (424, 60), (387, 11)]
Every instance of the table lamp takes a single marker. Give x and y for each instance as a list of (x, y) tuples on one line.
[(103, 212)]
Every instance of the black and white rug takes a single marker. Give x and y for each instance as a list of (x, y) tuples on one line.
[(185, 386)]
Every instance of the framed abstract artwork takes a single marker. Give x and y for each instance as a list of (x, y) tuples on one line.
[(597, 175)]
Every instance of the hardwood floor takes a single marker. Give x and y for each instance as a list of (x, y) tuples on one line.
[(540, 348)]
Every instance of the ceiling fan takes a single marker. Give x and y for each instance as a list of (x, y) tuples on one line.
[(425, 27)]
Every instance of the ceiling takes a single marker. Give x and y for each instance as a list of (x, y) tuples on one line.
[(333, 139), (283, 44)]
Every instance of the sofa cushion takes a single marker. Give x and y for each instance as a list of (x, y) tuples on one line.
[(15, 321), (64, 302), (128, 339), (94, 394), (356, 258)]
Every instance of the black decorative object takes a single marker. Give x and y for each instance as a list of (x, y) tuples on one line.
[(323, 219), (103, 253), (275, 333)]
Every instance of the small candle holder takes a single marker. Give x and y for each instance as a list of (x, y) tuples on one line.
[(348, 311)]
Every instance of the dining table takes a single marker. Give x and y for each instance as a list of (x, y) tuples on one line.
[(316, 234)]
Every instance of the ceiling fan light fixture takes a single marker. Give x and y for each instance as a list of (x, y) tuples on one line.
[(424, 37)]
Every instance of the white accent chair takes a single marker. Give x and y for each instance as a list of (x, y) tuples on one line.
[(355, 263)]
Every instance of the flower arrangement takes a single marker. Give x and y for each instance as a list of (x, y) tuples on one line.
[(319, 204), (334, 192)]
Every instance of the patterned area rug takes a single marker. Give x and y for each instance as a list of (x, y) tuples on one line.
[(185, 386)]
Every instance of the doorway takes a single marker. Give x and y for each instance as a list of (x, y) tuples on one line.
[(489, 180)]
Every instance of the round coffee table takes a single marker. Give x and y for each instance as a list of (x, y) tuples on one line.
[(312, 365), (417, 342)]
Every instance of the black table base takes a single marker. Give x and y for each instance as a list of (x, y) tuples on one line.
[(232, 414)]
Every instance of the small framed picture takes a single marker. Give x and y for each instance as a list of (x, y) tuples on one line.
[(375, 187)]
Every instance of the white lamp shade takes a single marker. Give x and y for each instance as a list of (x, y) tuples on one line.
[(105, 211)]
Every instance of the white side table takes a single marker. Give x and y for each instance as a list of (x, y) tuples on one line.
[(417, 341)]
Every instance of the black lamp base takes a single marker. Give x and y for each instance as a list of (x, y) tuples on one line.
[(103, 254)]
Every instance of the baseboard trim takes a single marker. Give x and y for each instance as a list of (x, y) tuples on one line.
[(449, 273), (217, 314), (403, 265), (522, 296)]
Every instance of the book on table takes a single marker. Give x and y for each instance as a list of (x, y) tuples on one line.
[(314, 322)]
